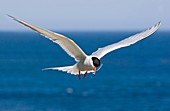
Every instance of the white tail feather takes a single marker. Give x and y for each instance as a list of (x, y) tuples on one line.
[(69, 69)]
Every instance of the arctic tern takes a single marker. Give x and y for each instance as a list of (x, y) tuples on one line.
[(86, 63)]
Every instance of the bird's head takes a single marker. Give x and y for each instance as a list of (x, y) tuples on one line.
[(96, 63)]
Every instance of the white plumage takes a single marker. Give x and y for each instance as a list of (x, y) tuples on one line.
[(126, 42), (86, 64)]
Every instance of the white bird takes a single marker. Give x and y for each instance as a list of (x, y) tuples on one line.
[(86, 63)]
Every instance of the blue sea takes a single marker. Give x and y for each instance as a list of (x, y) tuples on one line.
[(135, 78)]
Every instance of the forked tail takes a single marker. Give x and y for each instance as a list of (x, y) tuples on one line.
[(69, 69)]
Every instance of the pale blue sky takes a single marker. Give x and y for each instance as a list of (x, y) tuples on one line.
[(90, 15)]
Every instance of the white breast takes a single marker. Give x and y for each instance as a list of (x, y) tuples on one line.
[(86, 64)]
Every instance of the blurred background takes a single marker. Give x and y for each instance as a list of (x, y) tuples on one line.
[(135, 78), (89, 15)]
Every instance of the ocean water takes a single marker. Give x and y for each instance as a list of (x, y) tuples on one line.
[(135, 78)]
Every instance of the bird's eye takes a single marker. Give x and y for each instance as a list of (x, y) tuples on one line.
[(96, 61)]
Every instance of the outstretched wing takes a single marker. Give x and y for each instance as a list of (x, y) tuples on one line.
[(67, 44), (126, 42)]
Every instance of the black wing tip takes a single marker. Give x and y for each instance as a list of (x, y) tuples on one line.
[(12, 17), (159, 23)]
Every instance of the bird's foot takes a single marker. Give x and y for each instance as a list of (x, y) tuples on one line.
[(79, 75), (85, 74)]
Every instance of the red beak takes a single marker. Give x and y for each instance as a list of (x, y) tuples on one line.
[(94, 70)]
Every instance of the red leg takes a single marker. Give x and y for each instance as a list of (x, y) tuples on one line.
[(85, 74), (79, 75)]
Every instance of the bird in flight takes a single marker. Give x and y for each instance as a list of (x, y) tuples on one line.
[(86, 63)]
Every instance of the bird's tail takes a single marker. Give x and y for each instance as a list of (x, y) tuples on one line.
[(69, 69)]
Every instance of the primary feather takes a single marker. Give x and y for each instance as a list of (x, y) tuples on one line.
[(67, 44), (126, 42)]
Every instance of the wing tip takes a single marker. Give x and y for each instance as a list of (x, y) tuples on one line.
[(158, 24), (12, 17)]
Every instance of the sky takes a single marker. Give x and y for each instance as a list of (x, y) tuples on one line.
[(85, 15)]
